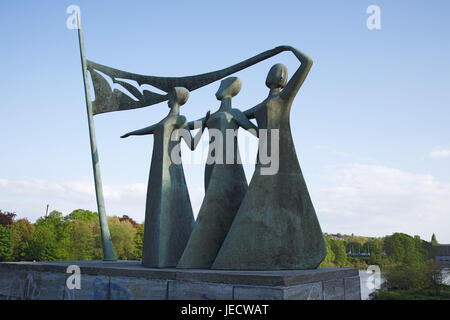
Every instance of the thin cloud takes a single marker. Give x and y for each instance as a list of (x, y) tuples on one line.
[(376, 200), (29, 198), (439, 154), (363, 199)]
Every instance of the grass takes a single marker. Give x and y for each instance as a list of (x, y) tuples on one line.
[(412, 294)]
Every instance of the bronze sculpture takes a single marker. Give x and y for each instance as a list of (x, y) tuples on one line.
[(276, 226), (225, 182), (270, 224), (168, 214)]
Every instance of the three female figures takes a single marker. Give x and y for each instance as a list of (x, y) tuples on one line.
[(269, 225), (169, 219)]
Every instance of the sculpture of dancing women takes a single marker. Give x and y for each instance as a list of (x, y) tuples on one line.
[(225, 182), (168, 215), (276, 226)]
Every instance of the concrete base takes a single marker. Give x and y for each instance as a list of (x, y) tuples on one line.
[(130, 280)]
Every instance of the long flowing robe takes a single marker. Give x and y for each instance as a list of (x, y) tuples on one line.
[(225, 187), (276, 226), (168, 215)]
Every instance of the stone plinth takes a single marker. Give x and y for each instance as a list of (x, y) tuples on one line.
[(130, 280)]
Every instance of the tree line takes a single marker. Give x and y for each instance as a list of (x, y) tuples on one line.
[(407, 262), (392, 250), (75, 236)]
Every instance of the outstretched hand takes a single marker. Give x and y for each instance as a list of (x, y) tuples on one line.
[(208, 114)]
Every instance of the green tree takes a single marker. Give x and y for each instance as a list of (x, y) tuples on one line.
[(139, 241), (377, 255), (42, 245), (51, 239), (433, 247), (406, 277), (404, 249), (98, 248), (330, 257), (123, 238), (434, 241), (376, 246), (81, 215), (22, 232), (5, 243), (83, 241), (338, 247), (422, 248)]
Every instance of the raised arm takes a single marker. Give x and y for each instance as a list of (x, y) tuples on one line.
[(296, 81), (141, 132)]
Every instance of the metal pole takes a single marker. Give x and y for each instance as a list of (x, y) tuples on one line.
[(108, 250)]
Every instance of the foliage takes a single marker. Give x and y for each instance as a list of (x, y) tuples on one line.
[(434, 241), (22, 232), (97, 253), (434, 276), (123, 237), (404, 249), (42, 245), (354, 247), (358, 263), (83, 240), (377, 254), (330, 257), (5, 243), (72, 237), (406, 277), (336, 253), (81, 215), (412, 294), (6, 218), (423, 280), (434, 249), (77, 236), (130, 220), (338, 248), (51, 239), (139, 241)]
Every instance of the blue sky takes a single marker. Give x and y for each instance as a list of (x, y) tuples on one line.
[(370, 123)]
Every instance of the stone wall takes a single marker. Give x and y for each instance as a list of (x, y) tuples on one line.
[(129, 280)]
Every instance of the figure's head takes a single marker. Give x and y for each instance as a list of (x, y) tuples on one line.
[(277, 76), (178, 95), (229, 87)]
